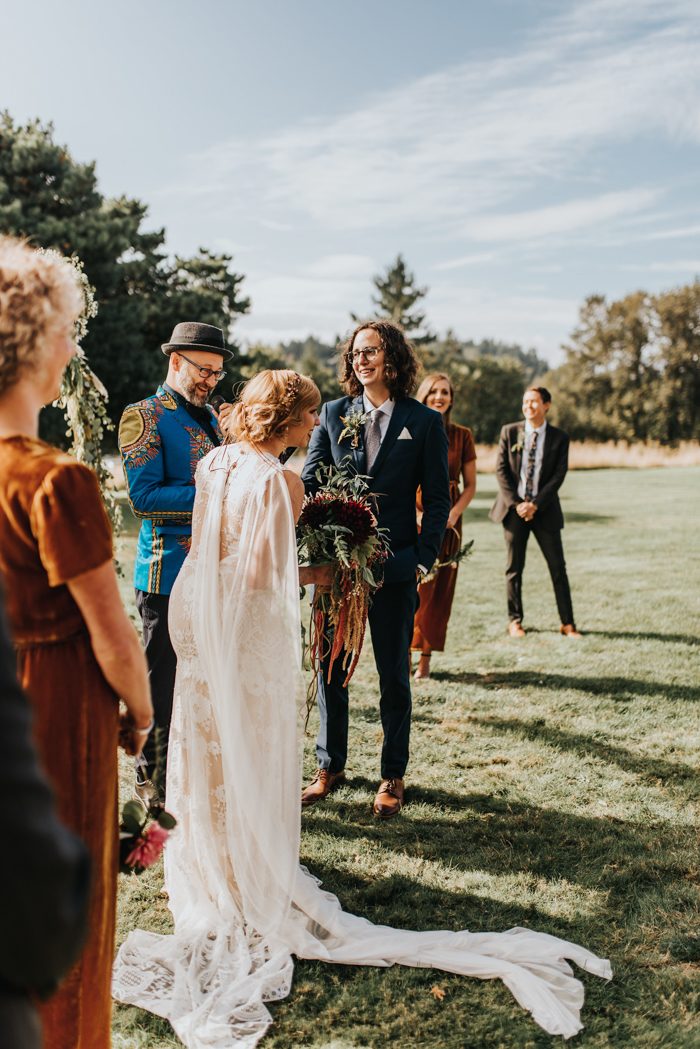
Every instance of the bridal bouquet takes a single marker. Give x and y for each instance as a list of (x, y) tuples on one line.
[(337, 525), (141, 844)]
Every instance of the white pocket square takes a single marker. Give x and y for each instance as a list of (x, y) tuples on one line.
[(404, 435)]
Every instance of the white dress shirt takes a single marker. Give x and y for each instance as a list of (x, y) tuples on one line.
[(539, 452), (386, 409)]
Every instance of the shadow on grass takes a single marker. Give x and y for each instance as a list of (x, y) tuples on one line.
[(481, 513), (643, 635), (585, 745), (616, 688), (500, 836), (408, 903)]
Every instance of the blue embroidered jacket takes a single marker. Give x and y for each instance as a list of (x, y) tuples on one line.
[(161, 444)]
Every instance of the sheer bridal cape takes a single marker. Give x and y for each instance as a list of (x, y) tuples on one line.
[(242, 905)]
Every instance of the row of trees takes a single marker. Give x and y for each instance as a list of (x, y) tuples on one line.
[(631, 371)]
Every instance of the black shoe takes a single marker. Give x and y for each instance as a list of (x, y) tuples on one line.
[(148, 794)]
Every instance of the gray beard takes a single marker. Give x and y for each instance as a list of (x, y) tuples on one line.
[(189, 391)]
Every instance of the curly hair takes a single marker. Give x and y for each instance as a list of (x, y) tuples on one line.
[(426, 386), (268, 404), (39, 297), (400, 361)]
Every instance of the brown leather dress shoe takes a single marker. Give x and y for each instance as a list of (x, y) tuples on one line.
[(389, 799), (515, 628), (320, 787), (569, 630)]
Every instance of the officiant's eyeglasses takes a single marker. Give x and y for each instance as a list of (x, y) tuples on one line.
[(206, 373), (369, 354)]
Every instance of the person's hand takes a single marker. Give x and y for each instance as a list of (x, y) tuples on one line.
[(528, 510), (132, 737), (454, 518), (223, 414), (521, 510), (320, 576)]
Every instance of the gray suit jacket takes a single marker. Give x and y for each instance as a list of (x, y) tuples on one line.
[(555, 463)]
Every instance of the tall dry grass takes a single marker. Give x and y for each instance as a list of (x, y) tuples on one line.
[(592, 455), (583, 455)]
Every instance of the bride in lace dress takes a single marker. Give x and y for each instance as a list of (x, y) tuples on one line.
[(242, 905)]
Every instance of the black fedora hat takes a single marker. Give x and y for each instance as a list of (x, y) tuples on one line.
[(189, 335)]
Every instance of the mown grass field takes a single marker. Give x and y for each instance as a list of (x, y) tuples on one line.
[(553, 784)]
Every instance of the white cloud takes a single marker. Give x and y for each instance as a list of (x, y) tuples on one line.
[(477, 136), (685, 267), (487, 165), (340, 266), (559, 218), (475, 259)]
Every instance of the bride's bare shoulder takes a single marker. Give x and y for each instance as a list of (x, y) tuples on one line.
[(296, 490)]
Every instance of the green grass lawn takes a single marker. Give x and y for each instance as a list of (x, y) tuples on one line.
[(553, 784)]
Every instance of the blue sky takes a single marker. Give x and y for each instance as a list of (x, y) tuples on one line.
[(521, 154)]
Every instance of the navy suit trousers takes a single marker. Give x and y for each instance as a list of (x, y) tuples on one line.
[(391, 627)]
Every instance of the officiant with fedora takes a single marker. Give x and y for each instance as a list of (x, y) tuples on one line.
[(161, 439), (379, 431)]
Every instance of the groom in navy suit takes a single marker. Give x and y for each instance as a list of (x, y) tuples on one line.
[(400, 446)]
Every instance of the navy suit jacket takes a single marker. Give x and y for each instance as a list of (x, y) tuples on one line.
[(412, 454)]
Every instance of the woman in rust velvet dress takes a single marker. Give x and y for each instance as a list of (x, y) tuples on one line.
[(436, 596), (76, 650)]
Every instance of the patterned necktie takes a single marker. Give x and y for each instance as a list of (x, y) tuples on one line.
[(530, 475), (373, 438)]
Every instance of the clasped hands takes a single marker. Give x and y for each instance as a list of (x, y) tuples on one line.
[(526, 510)]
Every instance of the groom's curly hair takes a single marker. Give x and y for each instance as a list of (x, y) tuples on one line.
[(400, 361)]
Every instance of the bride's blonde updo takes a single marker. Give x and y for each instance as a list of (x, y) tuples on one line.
[(268, 404)]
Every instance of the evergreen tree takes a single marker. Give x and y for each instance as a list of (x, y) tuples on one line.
[(397, 300)]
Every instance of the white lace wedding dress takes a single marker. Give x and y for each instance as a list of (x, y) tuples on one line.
[(242, 905)]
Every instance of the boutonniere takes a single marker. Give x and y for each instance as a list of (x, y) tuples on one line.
[(520, 443), (353, 427)]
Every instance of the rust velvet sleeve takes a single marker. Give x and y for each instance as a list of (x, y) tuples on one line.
[(468, 447), (70, 524)]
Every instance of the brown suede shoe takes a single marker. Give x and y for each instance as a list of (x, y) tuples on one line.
[(515, 628), (389, 799), (320, 787), (569, 630)]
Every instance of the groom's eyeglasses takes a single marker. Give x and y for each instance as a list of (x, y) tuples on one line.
[(206, 373), (369, 355)]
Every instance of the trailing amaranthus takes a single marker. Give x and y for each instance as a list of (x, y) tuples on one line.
[(338, 526)]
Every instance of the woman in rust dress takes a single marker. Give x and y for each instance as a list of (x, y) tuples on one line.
[(76, 649), (430, 626)]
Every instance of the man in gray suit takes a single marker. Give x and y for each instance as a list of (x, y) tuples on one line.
[(532, 463)]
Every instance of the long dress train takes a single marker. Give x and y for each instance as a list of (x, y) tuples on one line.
[(242, 905)]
